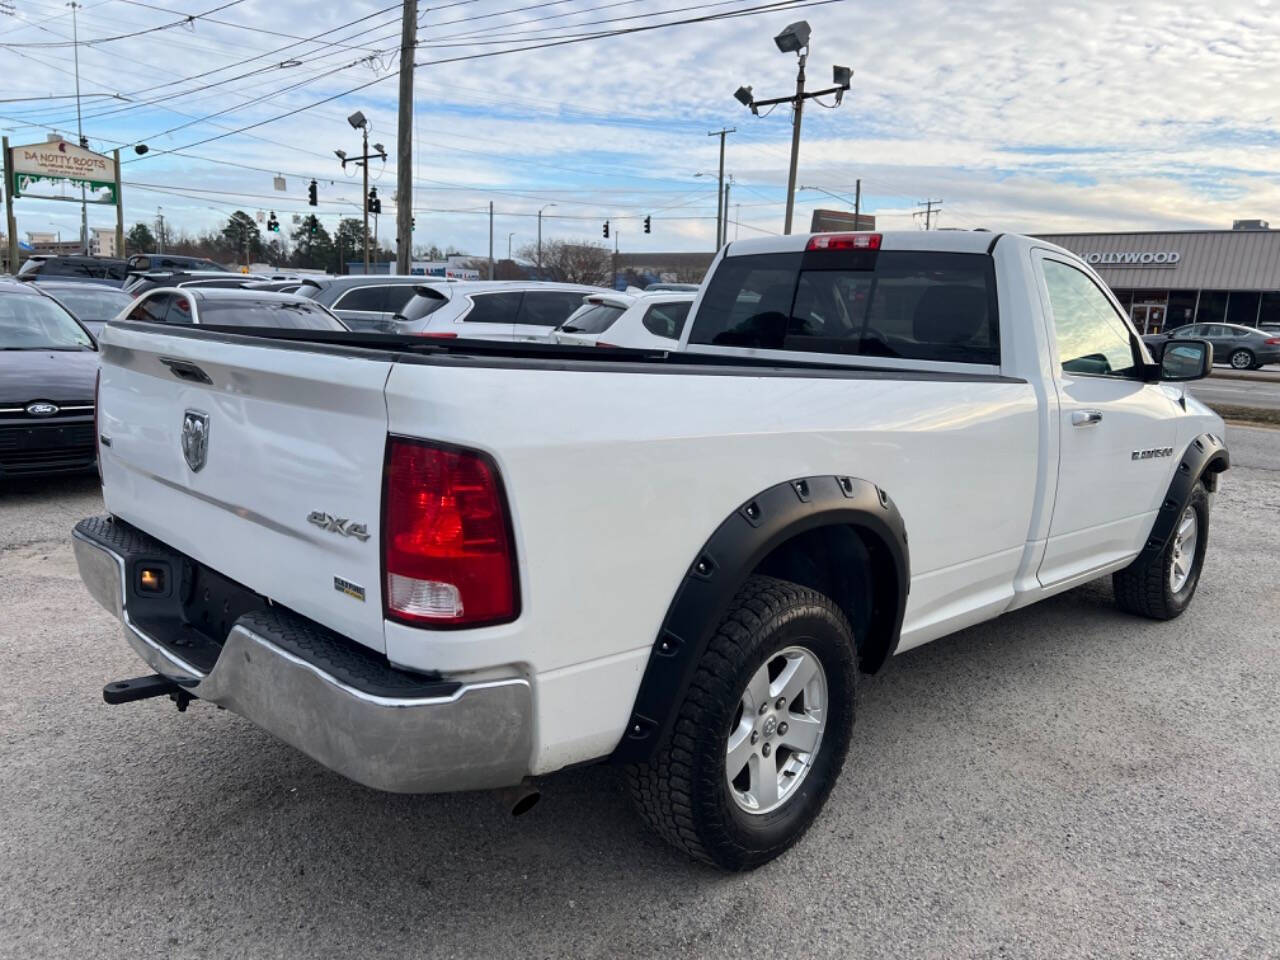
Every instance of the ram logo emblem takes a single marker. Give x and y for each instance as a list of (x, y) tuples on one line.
[(195, 439)]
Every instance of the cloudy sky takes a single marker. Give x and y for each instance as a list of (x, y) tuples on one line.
[(1018, 116)]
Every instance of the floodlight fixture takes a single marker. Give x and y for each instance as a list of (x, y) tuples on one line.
[(341, 154), (357, 119), (380, 148), (794, 38), (744, 97), (842, 76)]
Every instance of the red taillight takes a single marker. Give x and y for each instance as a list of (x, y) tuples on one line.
[(97, 436), (1272, 341), (446, 541), (439, 336), (602, 343), (844, 241)]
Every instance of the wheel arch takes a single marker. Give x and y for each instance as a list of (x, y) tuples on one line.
[(841, 535), (1205, 457)]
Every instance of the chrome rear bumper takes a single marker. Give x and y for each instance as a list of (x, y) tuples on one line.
[(447, 736)]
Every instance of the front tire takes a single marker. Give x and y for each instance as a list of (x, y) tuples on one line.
[(762, 733), (1162, 587), (1241, 360)]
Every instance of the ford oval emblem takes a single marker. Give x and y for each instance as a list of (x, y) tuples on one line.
[(42, 408)]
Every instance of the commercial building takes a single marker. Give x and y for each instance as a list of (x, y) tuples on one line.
[(102, 242), (1169, 278)]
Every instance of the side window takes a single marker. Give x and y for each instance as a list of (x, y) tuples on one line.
[(179, 310), (370, 299), (140, 263), (548, 308), (666, 319), (494, 308), (398, 296), (151, 309), (1092, 337)]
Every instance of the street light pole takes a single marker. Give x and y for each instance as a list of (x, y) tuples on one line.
[(795, 39), (721, 210), (365, 166), (509, 236), (359, 122)]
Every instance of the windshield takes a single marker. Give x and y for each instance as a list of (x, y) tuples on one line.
[(592, 318), (281, 314), (94, 305), (37, 323)]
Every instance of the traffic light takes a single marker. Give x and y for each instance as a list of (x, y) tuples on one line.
[(646, 225), (375, 205), (273, 225), (313, 225), (311, 194), (606, 229), (413, 223)]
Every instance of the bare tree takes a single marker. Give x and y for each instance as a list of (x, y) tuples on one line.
[(574, 262)]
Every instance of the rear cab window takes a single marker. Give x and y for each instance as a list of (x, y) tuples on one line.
[(899, 304)]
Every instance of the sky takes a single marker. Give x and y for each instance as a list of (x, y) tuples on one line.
[(1087, 115)]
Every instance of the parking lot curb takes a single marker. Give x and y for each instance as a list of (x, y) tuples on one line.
[(1260, 416)]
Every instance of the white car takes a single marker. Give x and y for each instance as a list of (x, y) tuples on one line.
[(444, 565), (491, 309), (645, 321)]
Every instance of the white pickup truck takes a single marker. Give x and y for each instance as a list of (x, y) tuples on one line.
[(448, 565)]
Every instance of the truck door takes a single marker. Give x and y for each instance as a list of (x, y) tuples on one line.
[(1116, 432)]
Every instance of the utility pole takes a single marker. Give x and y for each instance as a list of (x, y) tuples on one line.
[(930, 207), (540, 209), (75, 47), (11, 223), (509, 236), (115, 156), (159, 230), (490, 239), (721, 210), (795, 39), (404, 143), (857, 202), (725, 197)]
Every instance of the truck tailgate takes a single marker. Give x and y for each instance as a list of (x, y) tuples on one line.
[(285, 496)]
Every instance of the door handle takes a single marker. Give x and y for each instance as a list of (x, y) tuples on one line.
[(1085, 418)]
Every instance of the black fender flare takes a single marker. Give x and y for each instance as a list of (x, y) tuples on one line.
[(724, 563), (1205, 457)]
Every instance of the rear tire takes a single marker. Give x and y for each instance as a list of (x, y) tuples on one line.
[(781, 632), (1241, 360), (1162, 587)]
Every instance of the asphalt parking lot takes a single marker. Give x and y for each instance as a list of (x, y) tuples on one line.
[(1066, 781)]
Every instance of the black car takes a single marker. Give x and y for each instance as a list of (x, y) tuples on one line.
[(75, 269), (48, 369), (93, 304), (139, 283), (146, 262)]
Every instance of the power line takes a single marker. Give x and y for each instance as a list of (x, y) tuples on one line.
[(190, 18), (928, 212)]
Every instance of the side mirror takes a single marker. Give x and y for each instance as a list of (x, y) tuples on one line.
[(1186, 360)]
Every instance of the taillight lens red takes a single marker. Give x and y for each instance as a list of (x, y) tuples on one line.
[(439, 336), (447, 546), (1272, 341), (844, 241)]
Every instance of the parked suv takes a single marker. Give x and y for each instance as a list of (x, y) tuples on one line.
[(492, 309), (647, 321), (364, 302), (99, 269)]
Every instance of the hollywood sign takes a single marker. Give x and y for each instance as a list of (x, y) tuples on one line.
[(1145, 258)]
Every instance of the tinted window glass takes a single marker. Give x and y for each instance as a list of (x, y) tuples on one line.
[(217, 284), (547, 308), (908, 304), (423, 305), (593, 318), (1092, 337), (140, 263), (283, 314), (93, 304), (37, 323), (398, 296), (152, 309), (666, 319), (493, 308), (371, 299)]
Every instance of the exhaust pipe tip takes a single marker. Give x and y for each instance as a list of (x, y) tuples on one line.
[(519, 799)]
